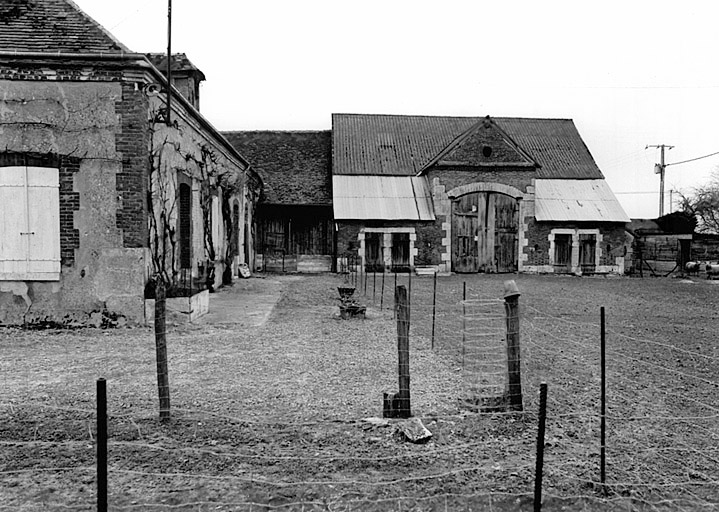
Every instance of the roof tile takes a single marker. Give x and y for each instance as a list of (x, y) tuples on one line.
[(295, 167), (52, 26)]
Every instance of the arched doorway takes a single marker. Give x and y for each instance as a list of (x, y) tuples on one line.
[(485, 227)]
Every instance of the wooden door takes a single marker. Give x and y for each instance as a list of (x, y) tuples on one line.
[(465, 229), (400, 252), (374, 259), (587, 253), (184, 220), (506, 228), (485, 227), (562, 253)]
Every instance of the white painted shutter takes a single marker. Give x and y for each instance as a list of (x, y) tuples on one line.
[(13, 247), (29, 223), (217, 228), (44, 223)]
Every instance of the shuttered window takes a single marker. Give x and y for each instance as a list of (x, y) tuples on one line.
[(29, 224)]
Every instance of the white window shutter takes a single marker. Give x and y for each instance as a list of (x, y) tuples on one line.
[(44, 222), (13, 245), (217, 227), (29, 223)]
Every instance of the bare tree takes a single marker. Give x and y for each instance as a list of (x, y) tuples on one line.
[(162, 203), (703, 204)]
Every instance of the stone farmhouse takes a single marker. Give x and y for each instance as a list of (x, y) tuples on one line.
[(99, 190)]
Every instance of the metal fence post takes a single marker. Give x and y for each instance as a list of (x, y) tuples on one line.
[(101, 445)]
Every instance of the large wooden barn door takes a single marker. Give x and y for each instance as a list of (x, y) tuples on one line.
[(465, 227), (485, 227), (506, 229)]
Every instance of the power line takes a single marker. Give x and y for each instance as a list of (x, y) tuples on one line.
[(638, 192), (692, 159)]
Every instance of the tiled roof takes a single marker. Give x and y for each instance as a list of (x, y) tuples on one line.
[(295, 167), (52, 26), (404, 145), (180, 62)]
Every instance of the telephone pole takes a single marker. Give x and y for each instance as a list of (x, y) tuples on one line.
[(169, 62), (659, 169)]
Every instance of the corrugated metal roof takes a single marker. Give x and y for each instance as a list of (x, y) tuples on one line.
[(577, 200), (555, 144), (382, 198), (403, 145)]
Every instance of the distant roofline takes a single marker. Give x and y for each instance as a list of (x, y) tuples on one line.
[(434, 116)]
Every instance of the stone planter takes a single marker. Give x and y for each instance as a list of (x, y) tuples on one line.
[(180, 309), (352, 311), (345, 292)]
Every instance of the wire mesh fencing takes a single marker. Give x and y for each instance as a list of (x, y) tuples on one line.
[(289, 416), (661, 407)]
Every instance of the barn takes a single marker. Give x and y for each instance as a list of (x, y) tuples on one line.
[(293, 220), (472, 194)]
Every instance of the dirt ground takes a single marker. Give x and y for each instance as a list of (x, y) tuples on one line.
[(270, 403)]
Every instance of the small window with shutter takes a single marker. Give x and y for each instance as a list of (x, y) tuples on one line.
[(29, 224)]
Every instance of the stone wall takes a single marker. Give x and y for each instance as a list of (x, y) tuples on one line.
[(184, 147), (76, 124), (613, 246)]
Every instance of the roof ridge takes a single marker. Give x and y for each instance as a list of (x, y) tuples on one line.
[(434, 116), (277, 131)]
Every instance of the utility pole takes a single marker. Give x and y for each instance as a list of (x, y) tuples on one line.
[(659, 169), (169, 61)]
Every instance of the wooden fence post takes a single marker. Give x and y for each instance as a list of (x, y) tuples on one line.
[(163, 379), (539, 466), (398, 405), (511, 308)]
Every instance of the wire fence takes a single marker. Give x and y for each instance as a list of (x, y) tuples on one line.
[(662, 407), (662, 424)]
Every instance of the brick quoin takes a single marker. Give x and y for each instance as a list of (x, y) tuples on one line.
[(132, 143), (69, 203)]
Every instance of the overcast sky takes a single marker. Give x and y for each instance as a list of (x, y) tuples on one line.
[(630, 73)]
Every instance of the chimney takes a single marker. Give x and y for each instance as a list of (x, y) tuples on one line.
[(185, 76)]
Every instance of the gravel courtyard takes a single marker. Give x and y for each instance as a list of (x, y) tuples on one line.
[(270, 403)]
